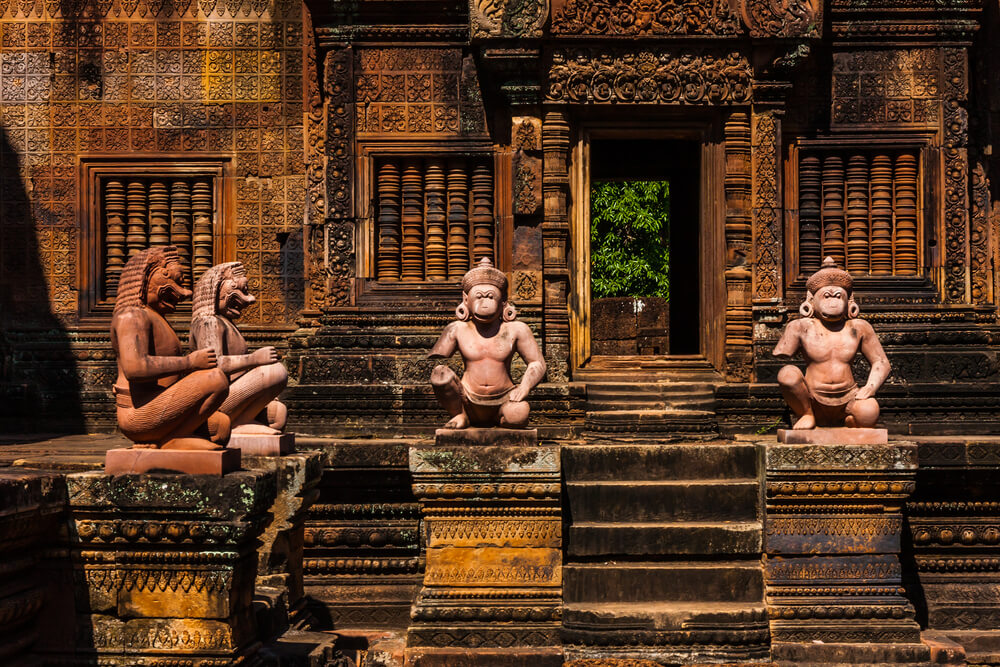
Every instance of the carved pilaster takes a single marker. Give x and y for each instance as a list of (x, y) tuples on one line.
[(314, 149), (832, 538), (767, 284), (338, 87), (555, 240), (490, 499), (739, 324), (980, 237), (955, 203)]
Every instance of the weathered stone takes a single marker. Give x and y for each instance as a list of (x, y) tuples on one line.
[(271, 444), (833, 436), (191, 462)]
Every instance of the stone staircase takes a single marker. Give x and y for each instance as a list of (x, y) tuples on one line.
[(642, 408), (663, 553)]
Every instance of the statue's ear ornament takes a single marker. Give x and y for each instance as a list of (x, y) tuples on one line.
[(806, 307), (462, 312), (853, 310)]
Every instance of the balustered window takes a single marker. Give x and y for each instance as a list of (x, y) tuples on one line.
[(434, 217), (860, 207), (135, 206)]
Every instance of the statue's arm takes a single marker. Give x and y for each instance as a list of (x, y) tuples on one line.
[(446, 344), (872, 349), (790, 340), (527, 347), (132, 332), (209, 333)]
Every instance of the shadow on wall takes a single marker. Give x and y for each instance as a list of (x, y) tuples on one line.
[(39, 387)]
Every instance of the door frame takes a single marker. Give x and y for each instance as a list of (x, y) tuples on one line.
[(711, 241)]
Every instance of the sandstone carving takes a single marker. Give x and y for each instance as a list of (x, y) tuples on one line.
[(487, 335), (256, 378), (164, 398), (829, 335)]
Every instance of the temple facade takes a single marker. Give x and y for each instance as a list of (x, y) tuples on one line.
[(358, 158)]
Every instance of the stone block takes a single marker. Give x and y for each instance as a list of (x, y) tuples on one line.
[(481, 437), (493, 572), (833, 436), (192, 462), (255, 444)]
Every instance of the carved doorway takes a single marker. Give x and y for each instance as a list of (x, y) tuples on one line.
[(648, 278)]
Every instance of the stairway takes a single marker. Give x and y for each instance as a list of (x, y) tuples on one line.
[(663, 553), (644, 408)]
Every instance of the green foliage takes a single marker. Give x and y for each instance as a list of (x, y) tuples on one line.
[(629, 238)]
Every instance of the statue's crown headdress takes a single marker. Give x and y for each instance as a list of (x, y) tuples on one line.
[(829, 274), (134, 277), (206, 292), (485, 273)]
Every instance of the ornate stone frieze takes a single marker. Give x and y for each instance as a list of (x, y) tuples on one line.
[(842, 457), (956, 169), (507, 18), (782, 18), (653, 76), (645, 18), (878, 86)]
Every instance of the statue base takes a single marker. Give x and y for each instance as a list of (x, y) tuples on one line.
[(833, 436), (259, 444), (216, 462), (482, 437)]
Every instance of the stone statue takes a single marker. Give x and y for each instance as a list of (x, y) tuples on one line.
[(164, 398), (486, 335), (256, 378), (829, 336)]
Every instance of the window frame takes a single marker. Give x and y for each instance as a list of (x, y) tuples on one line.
[(92, 167), (929, 226), (371, 292)]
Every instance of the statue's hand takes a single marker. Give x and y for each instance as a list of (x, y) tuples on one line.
[(865, 392), (517, 394), (203, 359), (265, 355)]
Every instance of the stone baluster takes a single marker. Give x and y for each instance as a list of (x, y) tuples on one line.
[(136, 237), (201, 205), (159, 213), (412, 221), (905, 241), (810, 241), (114, 238), (857, 215), (180, 221), (437, 221), (833, 209), (387, 262), (458, 219), (881, 213), (482, 212)]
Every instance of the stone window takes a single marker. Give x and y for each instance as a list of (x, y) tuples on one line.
[(862, 207), (433, 217), (136, 204)]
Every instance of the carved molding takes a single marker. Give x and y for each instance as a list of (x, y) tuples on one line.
[(782, 18), (649, 76), (645, 17), (766, 224)]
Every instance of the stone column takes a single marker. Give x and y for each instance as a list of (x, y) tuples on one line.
[(832, 540), (492, 587), (30, 505), (157, 569)]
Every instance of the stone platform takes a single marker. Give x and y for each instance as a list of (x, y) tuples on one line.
[(135, 460), (260, 444), (492, 583), (833, 436)]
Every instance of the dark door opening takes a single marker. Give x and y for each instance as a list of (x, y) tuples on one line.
[(644, 254)]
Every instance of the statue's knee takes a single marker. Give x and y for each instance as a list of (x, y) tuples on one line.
[(789, 376), (216, 381), (277, 375), (515, 414), (441, 375), (865, 412)]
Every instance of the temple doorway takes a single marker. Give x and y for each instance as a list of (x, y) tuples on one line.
[(644, 222)]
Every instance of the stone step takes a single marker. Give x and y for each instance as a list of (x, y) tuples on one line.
[(600, 389), (701, 460), (606, 538), (663, 500), (717, 581), (699, 402), (662, 616), (651, 421)]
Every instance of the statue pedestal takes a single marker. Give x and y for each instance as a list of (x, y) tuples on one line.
[(134, 460), (254, 444), (832, 539), (833, 436), (156, 569), (493, 580)]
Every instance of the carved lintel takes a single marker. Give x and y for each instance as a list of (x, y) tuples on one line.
[(507, 18)]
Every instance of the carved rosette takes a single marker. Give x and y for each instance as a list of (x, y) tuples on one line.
[(832, 537), (507, 18), (648, 76), (493, 525)]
